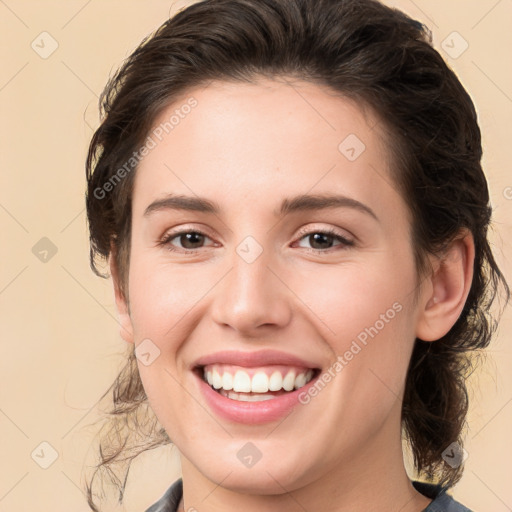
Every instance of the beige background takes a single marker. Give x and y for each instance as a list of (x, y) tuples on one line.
[(60, 343)]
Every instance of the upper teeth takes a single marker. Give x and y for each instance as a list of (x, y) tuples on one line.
[(260, 382)]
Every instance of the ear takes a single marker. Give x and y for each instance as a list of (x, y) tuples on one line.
[(446, 290), (125, 322)]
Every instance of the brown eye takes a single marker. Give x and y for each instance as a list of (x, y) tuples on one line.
[(321, 241), (184, 240), (191, 240)]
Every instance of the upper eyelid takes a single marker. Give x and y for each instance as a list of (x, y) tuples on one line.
[(330, 231), (181, 231), (300, 232)]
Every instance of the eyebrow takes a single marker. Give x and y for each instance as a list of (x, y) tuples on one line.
[(298, 203)]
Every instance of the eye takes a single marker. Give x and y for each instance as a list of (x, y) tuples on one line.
[(188, 240), (320, 240), (323, 240)]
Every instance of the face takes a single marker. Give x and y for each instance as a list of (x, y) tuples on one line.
[(271, 249)]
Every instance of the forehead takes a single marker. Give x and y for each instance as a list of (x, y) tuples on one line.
[(266, 136)]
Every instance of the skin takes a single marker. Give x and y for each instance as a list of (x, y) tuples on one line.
[(247, 147)]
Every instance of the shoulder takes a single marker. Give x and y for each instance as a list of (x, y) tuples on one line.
[(441, 501), (170, 500)]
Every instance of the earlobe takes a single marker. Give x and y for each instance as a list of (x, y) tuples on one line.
[(447, 289), (125, 322)]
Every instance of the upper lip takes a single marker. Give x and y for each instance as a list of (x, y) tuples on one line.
[(253, 359)]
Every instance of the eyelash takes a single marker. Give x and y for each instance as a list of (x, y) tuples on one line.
[(166, 240)]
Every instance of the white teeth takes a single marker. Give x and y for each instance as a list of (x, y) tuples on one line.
[(254, 398), (245, 398), (275, 382), (227, 381), (217, 380), (300, 381), (259, 383), (289, 381), (242, 382)]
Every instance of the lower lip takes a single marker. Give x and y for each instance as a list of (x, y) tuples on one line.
[(252, 413)]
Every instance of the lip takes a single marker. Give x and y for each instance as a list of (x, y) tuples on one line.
[(252, 413), (253, 359)]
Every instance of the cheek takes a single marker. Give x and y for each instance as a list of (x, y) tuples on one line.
[(365, 314), (349, 298), (161, 297)]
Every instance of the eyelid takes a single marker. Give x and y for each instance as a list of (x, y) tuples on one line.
[(345, 236)]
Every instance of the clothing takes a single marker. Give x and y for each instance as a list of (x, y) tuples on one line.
[(442, 502)]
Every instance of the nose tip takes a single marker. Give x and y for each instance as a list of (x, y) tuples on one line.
[(250, 298)]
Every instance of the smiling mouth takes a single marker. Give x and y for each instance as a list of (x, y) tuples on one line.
[(255, 384)]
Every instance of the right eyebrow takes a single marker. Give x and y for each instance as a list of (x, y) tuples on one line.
[(178, 202)]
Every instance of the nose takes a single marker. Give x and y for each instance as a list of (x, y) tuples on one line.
[(252, 298)]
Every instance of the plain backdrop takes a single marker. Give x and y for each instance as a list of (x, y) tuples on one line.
[(60, 347)]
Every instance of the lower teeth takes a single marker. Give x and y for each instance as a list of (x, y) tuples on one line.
[(245, 397)]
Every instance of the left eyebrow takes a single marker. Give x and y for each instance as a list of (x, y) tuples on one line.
[(298, 203), (321, 202)]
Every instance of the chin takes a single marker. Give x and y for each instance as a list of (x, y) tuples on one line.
[(265, 477)]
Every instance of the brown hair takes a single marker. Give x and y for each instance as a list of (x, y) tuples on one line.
[(365, 51)]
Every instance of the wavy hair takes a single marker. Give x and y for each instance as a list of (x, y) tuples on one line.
[(362, 50)]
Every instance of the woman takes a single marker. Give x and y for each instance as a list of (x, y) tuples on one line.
[(290, 197)]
